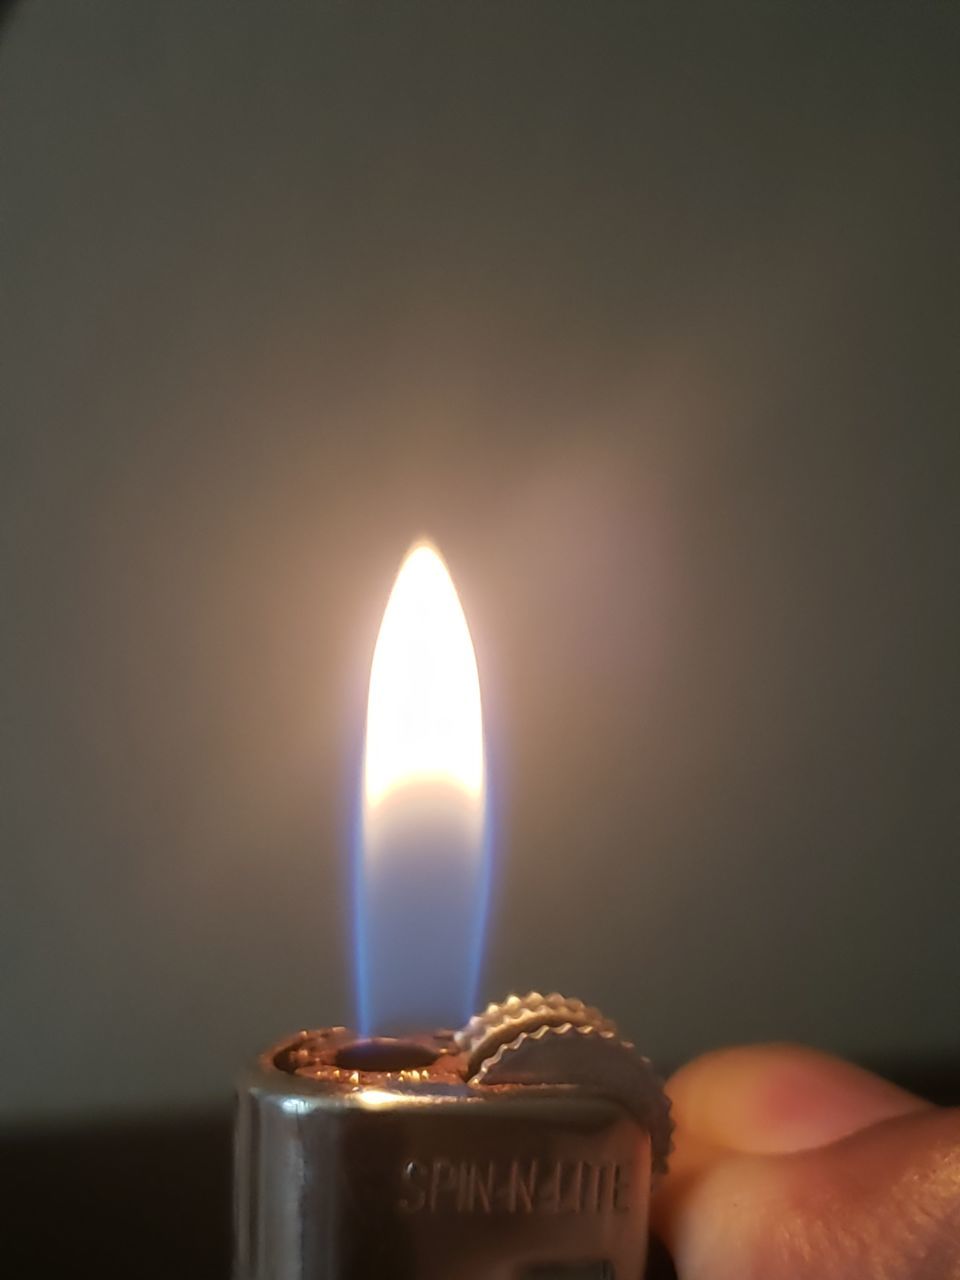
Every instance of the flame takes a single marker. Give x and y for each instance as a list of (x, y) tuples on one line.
[(422, 865), (423, 714)]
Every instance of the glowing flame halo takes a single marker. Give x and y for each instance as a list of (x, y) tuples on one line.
[(422, 867)]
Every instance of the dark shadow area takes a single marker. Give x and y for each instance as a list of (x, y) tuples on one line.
[(151, 1198), (147, 1198), (6, 9)]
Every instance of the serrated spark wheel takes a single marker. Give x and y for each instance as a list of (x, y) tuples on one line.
[(556, 1040), (502, 1022)]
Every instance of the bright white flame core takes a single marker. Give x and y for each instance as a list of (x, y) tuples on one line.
[(423, 714)]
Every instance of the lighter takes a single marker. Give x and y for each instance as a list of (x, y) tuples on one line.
[(522, 1146)]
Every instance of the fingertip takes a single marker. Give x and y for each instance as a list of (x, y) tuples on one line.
[(779, 1098), (884, 1201), (711, 1216)]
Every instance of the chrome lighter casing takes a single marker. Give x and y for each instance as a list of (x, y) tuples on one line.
[(420, 1175)]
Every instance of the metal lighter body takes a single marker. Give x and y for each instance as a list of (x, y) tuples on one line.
[(417, 1174)]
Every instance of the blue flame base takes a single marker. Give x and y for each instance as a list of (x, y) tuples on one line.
[(421, 896)]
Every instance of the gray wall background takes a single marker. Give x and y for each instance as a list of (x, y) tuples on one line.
[(648, 315)]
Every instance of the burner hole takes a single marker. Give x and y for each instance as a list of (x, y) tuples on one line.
[(385, 1054)]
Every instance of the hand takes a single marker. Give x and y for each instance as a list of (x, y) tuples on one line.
[(791, 1165)]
